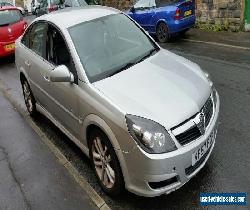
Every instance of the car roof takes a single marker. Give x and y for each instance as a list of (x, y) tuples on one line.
[(68, 17), (8, 8)]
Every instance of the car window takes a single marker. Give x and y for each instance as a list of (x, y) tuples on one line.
[(142, 4), (55, 2), (112, 42), (82, 3), (9, 16), (58, 52), (162, 3), (38, 36), (68, 3), (25, 39)]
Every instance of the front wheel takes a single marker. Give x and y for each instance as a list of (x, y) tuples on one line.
[(29, 98), (105, 163), (162, 33)]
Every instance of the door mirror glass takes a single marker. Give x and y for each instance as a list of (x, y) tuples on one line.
[(61, 74)]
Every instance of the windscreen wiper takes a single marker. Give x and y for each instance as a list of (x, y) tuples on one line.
[(128, 65), (151, 52), (5, 24)]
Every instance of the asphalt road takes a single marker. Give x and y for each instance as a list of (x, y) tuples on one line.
[(227, 170)]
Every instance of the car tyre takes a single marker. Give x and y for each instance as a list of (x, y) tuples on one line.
[(29, 99), (105, 163), (162, 33)]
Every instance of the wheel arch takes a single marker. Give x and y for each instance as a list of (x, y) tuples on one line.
[(93, 121), (160, 21)]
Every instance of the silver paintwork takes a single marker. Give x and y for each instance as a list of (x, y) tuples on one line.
[(165, 88)]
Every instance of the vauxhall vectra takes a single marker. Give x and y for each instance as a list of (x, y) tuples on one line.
[(147, 118)]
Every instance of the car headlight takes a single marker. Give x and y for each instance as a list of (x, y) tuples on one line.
[(151, 136), (214, 95), (208, 78)]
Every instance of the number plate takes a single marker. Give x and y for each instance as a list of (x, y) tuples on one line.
[(187, 13), (9, 47), (199, 153)]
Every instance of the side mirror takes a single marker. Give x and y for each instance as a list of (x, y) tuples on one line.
[(61, 74), (132, 10)]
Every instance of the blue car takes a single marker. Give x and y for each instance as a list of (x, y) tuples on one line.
[(164, 18)]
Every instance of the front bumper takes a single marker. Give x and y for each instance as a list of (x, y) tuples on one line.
[(174, 169)]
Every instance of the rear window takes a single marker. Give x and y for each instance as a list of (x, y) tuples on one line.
[(9, 16), (55, 2), (162, 3)]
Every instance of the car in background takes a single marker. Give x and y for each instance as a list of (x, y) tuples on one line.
[(34, 6), (7, 4), (12, 26), (164, 18), (75, 3), (48, 6)]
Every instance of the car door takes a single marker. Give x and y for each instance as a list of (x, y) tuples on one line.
[(35, 63), (144, 11), (63, 96)]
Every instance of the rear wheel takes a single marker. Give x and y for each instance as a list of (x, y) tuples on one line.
[(29, 98), (162, 33), (105, 163)]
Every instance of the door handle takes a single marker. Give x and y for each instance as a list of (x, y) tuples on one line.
[(46, 78), (27, 63)]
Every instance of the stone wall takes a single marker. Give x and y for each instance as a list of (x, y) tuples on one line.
[(119, 4), (219, 14)]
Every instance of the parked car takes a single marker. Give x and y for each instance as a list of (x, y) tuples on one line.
[(48, 6), (75, 3), (147, 118), (34, 6), (164, 18), (7, 4), (12, 26)]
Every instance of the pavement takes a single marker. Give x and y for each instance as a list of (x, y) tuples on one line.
[(30, 175), (238, 39)]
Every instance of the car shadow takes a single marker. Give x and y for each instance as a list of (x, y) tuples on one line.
[(4, 61)]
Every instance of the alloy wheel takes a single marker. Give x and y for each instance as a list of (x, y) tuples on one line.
[(162, 32), (28, 97), (103, 163)]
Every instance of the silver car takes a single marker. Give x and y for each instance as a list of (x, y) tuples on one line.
[(146, 117)]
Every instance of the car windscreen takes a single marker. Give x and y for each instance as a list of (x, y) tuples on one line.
[(9, 16), (55, 2), (109, 44), (82, 3)]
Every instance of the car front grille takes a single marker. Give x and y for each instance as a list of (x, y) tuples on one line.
[(189, 135), (193, 132), (208, 111)]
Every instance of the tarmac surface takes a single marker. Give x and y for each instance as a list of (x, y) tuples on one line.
[(30, 175)]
